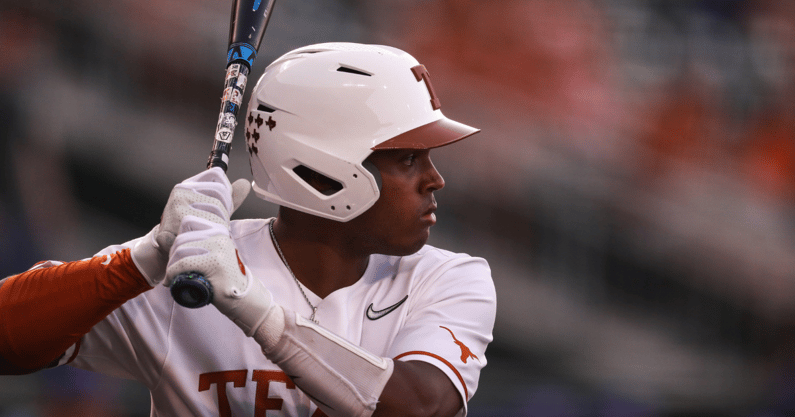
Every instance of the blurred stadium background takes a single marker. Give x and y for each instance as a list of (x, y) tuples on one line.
[(632, 187)]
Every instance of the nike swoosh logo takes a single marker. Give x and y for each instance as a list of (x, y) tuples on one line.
[(377, 314)]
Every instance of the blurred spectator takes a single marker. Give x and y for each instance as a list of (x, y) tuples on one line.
[(768, 155), (552, 59), (18, 38), (685, 126)]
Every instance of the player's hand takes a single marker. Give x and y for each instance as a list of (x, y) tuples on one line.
[(207, 247), (209, 196)]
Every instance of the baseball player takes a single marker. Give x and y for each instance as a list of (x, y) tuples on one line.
[(335, 307)]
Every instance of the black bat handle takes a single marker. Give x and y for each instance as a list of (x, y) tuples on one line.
[(248, 23), (191, 289), (234, 87)]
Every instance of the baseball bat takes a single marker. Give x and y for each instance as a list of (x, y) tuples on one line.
[(246, 29)]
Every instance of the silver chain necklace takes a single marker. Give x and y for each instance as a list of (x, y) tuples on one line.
[(300, 287)]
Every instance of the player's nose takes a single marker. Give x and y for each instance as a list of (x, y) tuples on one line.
[(434, 181)]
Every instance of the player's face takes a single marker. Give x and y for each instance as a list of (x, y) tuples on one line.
[(399, 222)]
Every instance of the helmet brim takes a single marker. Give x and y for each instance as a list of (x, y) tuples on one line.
[(432, 135)]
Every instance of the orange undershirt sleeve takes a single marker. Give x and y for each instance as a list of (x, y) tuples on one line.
[(45, 311)]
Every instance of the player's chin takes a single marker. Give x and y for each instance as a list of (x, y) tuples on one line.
[(412, 246), (408, 244)]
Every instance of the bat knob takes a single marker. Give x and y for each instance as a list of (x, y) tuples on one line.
[(191, 290)]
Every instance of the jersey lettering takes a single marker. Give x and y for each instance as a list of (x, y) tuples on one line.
[(421, 74), (263, 401), (237, 378)]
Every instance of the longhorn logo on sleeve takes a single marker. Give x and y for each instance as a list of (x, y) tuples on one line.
[(465, 352)]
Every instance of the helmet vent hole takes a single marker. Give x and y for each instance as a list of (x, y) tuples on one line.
[(353, 71), (348, 207), (265, 108), (323, 184)]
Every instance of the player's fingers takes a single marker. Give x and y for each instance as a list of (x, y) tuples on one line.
[(194, 229), (165, 240), (213, 183), (210, 209), (193, 234), (185, 258), (201, 228), (214, 174), (186, 251), (207, 191), (240, 190), (185, 202), (216, 259)]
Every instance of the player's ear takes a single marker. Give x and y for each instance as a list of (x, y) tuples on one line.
[(369, 166)]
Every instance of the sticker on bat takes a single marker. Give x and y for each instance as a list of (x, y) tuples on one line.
[(224, 135), (223, 118), (228, 121), (227, 94), (237, 97), (241, 82), (232, 71)]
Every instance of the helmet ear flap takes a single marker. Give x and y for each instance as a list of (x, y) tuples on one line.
[(370, 167)]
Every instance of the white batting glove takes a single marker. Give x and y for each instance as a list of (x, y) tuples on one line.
[(208, 195), (206, 247)]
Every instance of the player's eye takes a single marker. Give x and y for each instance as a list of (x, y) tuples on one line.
[(409, 159)]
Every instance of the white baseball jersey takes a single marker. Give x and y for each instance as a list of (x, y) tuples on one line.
[(433, 306)]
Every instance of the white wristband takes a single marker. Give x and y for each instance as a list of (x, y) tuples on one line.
[(342, 378)]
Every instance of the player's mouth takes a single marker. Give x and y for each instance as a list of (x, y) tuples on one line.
[(430, 214)]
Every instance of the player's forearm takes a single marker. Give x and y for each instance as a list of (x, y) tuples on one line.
[(418, 389), (45, 311), (341, 378), (345, 380)]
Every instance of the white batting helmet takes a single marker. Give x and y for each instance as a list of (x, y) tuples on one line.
[(327, 107)]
